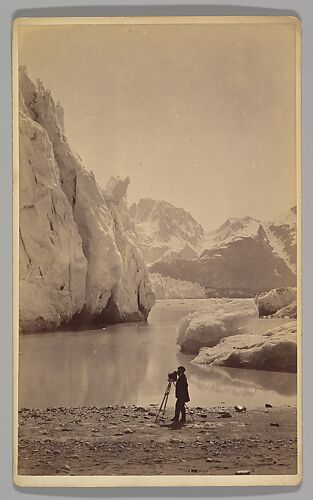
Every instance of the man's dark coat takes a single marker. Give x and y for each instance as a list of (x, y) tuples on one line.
[(181, 391)]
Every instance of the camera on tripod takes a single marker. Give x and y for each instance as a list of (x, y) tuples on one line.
[(172, 377)]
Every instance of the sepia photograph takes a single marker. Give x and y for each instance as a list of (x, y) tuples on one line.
[(157, 251)]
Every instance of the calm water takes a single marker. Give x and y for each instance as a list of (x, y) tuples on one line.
[(128, 363)]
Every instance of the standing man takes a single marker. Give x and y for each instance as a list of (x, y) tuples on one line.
[(181, 394)]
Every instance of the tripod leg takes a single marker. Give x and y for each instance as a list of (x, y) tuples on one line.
[(166, 399), (164, 402), (160, 409)]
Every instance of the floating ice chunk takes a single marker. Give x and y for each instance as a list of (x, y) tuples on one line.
[(270, 302), (275, 350), (207, 326)]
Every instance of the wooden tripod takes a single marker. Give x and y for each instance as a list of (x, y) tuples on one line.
[(164, 401)]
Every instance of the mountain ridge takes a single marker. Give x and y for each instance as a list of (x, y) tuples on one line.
[(165, 231), (240, 254)]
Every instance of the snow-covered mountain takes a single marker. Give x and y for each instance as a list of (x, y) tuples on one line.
[(281, 235), (241, 257), (78, 256), (165, 232)]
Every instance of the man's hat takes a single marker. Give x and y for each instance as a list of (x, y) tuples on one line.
[(181, 368)]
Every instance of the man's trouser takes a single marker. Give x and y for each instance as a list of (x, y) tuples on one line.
[(180, 408)]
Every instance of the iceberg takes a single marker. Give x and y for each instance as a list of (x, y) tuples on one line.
[(275, 350), (288, 311), (269, 303), (220, 319)]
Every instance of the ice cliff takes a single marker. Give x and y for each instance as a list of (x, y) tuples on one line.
[(169, 288), (79, 261)]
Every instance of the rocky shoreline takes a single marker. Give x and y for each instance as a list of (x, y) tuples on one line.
[(125, 440)]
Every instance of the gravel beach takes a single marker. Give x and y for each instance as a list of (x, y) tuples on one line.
[(125, 440)]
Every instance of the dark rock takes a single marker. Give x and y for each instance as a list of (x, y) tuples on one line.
[(268, 405), (274, 424), (224, 414)]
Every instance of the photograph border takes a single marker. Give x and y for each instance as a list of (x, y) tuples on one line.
[(153, 480)]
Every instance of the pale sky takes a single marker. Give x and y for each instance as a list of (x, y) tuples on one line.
[(202, 116)]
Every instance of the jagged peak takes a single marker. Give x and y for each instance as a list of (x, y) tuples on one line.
[(158, 203), (159, 206), (117, 187), (32, 92), (289, 218), (241, 220)]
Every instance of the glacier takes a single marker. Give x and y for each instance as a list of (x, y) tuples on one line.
[(79, 261), (165, 287)]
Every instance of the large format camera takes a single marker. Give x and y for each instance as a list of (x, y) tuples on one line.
[(172, 377)]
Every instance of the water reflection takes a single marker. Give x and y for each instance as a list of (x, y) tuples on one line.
[(243, 380), (129, 364)]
